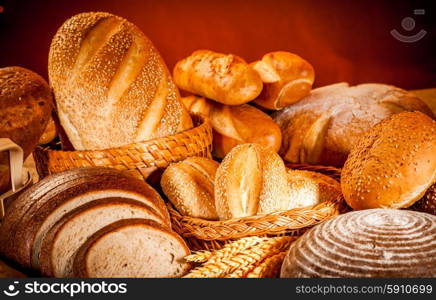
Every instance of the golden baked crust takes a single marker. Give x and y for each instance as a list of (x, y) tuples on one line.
[(111, 85)]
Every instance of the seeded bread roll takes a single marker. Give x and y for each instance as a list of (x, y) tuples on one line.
[(132, 248), (234, 125), (323, 127), (227, 79), (25, 106), (111, 85), (189, 185), (251, 180), (308, 188), (286, 79), (393, 164), (367, 243)]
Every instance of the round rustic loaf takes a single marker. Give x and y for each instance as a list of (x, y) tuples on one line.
[(367, 243), (393, 164), (323, 127)]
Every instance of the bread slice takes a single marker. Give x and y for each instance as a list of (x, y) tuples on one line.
[(55, 253), (39, 210), (132, 248)]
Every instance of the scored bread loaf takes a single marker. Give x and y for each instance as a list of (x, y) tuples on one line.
[(323, 127), (61, 242), (25, 106), (367, 243), (251, 180), (189, 185), (31, 215), (286, 79), (234, 125), (111, 85), (308, 188), (393, 164), (132, 248), (227, 79)]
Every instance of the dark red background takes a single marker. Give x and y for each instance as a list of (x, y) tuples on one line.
[(344, 40)]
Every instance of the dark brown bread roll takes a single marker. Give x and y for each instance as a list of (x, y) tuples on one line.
[(25, 106), (367, 243)]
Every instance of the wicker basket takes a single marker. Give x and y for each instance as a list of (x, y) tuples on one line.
[(209, 235), (135, 159)]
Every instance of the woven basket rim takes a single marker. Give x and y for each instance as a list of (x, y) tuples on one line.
[(199, 120)]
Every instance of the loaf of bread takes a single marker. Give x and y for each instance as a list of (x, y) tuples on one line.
[(393, 164), (132, 248), (323, 127), (286, 79), (234, 125), (189, 185), (308, 188), (227, 79), (428, 202), (8, 272), (111, 85), (25, 107), (367, 243), (251, 180), (30, 216), (64, 238)]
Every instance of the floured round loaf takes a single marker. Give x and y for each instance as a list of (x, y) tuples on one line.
[(393, 164), (251, 180), (111, 85), (132, 248), (367, 243), (56, 251), (323, 127)]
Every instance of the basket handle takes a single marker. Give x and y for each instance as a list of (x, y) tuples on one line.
[(15, 169)]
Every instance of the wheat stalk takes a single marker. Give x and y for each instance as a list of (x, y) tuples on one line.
[(228, 262), (269, 268)]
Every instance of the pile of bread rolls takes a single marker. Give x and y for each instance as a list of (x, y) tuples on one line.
[(109, 86)]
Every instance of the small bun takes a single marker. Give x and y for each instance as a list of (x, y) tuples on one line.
[(367, 243), (393, 164)]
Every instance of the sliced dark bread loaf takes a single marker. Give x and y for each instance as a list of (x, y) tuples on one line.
[(38, 211), (132, 248), (55, 255)]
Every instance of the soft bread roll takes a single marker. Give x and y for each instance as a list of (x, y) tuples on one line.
[(367, 243), (111, 85), (286, 79), (393, 164), (308, 188), (227, 79), (234, 125), (189, 185), (251, 180), (428, 202), (132, 248), (25, 106), (323, 127)]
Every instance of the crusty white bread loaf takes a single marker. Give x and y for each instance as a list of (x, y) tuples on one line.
[(111, 85), (323, 127), (367, 243), (286, 79), (251, 180), (25, 106), (428, 202), (234, 125), (227, 79), (61, 242), (189, 185), (8, 272), (132, 248), (393, 164), (308, 188), (31, 215)]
